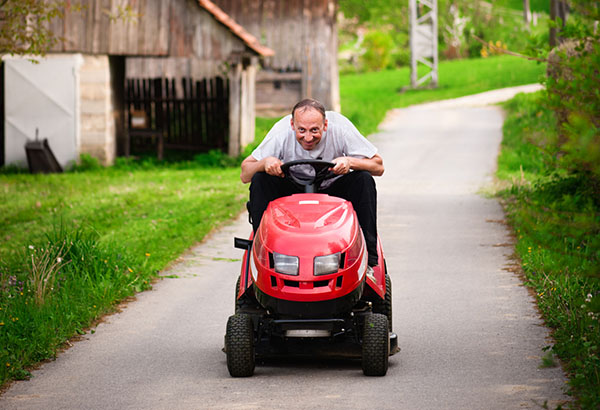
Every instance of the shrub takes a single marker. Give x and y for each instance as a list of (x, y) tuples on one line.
[(378, 53), (572, 90)]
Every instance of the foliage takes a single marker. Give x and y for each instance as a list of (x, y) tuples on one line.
[(378, 51), (86, 163), (556, 217), (573, 94), (365, 98), (73, 244), (24, 26), (464, 26)]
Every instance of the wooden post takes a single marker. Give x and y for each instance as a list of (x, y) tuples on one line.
[(248, 98), (235, 83)]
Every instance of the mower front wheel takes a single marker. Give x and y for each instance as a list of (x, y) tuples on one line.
[(375, 345), (239, 345)]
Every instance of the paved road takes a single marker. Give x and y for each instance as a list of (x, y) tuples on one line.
[(470, 334)]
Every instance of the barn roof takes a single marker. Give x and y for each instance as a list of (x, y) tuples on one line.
[(235, 28)]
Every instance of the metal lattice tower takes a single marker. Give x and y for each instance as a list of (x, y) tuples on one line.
[(423, 41)]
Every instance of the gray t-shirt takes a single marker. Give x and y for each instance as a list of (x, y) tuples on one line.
[(341, 139)]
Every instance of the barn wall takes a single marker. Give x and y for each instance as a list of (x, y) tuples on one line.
[(175, 28), (303, 34)]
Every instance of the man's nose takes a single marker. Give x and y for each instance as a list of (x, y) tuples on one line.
[(308, 137)]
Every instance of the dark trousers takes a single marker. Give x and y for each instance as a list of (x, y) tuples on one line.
[(358, 187)]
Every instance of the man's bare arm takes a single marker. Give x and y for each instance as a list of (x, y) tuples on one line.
[(251, 166), (373, 165)]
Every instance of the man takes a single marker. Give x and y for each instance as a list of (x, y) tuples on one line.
[(312, 133)]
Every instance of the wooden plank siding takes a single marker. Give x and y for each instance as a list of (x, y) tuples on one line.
[(160, 28), (303, 35)]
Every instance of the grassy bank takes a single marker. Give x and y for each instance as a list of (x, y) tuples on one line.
[(556, 221), (74, 244), (365, 98)]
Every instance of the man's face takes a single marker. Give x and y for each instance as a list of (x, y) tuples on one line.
[(309, 126)]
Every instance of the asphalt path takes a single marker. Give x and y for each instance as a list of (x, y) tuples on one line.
[(470, 334)]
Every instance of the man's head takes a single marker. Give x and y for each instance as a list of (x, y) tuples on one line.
[(309, 123)]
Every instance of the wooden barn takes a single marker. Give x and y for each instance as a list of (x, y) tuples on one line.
[(303, 34), (168, 74)]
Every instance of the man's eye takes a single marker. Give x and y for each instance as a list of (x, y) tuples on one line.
[(314, 130)]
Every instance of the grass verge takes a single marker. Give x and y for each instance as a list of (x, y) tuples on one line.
[(556, 220), (72, 245)]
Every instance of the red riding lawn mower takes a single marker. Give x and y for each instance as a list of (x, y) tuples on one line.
[(304, 286)]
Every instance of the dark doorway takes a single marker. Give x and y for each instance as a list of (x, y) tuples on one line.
[(185, 115)]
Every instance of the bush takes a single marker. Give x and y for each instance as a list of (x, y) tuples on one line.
[(378, 51), (86, 163), (572, 90)]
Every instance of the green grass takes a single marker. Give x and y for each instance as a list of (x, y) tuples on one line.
[(556, 220), (542, 6), (365, 98), (113, 230)]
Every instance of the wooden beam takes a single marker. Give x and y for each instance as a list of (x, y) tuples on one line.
[(235, 82)]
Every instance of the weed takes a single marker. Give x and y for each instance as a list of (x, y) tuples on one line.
[(44, 269)]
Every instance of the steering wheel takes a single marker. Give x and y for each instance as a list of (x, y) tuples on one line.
[(311, 182)]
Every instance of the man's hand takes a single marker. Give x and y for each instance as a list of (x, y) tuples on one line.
[(273, 166), (342, 165)]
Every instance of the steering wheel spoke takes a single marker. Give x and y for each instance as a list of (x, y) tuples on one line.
[(312, 182)]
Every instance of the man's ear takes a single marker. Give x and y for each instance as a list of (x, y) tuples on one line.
[(325, 125), (292, 122)]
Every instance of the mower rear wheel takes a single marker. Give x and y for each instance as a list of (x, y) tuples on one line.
[(375, 345), (239, 345)]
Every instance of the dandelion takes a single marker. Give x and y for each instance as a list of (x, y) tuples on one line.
[(1, 323), (7, 364), (130, 270), (147, 254)]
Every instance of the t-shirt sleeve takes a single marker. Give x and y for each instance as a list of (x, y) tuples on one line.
[(272, 145), (355, 144)]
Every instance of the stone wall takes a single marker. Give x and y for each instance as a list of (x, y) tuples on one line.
[(97, 125)]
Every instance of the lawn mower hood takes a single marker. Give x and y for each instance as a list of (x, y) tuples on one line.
[(309, 248)]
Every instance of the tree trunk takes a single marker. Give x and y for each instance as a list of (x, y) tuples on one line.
[(558, 9), (526, 12)]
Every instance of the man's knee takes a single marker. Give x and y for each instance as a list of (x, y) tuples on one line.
[(364, 178)]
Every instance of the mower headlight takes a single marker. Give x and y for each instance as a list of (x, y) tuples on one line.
[(327, 264), (285, 263)]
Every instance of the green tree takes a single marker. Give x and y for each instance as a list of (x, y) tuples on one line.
[(24, 26)]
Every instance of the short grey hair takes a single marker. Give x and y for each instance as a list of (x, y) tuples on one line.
[(307, 103)]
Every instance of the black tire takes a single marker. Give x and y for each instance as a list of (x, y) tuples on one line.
[(384, 306), (245, 303), (375, 345), (239, 345)]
